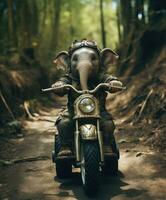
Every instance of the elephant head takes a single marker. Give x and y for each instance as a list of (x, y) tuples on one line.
[(85, 60)]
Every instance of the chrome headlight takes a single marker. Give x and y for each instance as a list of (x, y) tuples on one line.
[(87, 105)]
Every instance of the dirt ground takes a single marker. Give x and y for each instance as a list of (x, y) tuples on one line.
[(141, 171)]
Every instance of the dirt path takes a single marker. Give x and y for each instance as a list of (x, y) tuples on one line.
[(142, 172)]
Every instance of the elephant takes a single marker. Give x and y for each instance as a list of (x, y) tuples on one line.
[(85, 64)]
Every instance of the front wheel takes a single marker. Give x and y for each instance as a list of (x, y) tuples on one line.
[(90, 166)]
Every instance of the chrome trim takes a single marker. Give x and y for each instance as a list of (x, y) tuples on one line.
[(100, 139), (88, 132), (87, 116), (77, 143)]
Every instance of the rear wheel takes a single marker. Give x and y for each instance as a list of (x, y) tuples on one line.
[(111, 166), (63, 167), (90, 167), (57, 144)]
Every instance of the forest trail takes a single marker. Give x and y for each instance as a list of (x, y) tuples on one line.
[(141, 176)]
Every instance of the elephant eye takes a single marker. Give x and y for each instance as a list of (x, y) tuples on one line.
[(75, 58), (93, 57)]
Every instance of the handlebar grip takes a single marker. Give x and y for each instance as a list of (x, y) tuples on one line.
[(55, 88), (47, 89)]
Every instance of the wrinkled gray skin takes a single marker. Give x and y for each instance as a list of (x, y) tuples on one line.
[(85, 63)]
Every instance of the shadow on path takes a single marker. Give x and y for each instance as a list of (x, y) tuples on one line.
[(109, 187)]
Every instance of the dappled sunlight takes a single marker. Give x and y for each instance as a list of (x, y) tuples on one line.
[(45, 122), (82, 43), (37, 181), (140, 168), (40, 126), (133, 183)]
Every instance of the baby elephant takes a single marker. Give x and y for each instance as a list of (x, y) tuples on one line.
[(85, 64)]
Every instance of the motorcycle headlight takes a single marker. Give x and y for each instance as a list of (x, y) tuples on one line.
[(87, 105)]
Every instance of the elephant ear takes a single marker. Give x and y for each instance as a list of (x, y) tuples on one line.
[(108, 57), (62, 61)]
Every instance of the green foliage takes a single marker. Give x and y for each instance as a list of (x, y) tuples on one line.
[(50, 26), (81, 19)]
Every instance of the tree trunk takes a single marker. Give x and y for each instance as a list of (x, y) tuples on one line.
[(49, 29), (57, 21), (34, 17), (118, 22), (156, 10), (103, 32), (126, 13), (24, 24), (10, 22), (139, 13)]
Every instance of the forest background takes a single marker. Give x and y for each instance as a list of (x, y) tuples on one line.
[(32, 32)]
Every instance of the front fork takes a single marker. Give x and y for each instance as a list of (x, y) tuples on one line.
[(77, 143), (77, 138)]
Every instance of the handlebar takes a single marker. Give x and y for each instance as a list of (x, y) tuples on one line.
[(101, 85), (106, 86), (64, 87)]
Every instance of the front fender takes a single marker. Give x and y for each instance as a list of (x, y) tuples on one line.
[(88, 132)]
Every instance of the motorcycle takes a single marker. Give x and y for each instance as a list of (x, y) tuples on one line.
[(87, 147)]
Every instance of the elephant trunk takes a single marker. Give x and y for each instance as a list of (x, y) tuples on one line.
[(84, 74)]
